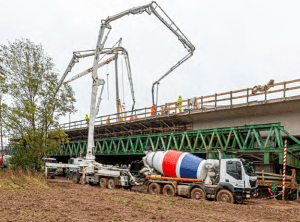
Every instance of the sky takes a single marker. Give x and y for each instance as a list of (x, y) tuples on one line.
[(238, 43)]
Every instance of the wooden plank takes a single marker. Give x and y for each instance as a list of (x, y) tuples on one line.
[(273, 174), (274, 181), (279, 178)]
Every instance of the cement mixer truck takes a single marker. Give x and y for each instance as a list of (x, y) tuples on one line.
[(179, 173)]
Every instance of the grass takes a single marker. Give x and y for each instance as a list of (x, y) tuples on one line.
[(19, 179)]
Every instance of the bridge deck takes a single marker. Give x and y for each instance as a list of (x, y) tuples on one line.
[(283, 98)]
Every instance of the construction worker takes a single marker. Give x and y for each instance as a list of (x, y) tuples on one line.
[(179, 103), (131, 118), (107, 121), (87, 119), (121, 119), (166, 110), (153, 110)]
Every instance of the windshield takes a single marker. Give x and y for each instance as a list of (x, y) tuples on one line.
[(248, 166), (51, 161)]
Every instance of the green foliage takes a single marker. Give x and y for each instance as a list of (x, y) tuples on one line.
[(33, 105), (34, 145), (26, 158)]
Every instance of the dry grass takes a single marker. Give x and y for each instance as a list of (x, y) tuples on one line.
[(19, 179)]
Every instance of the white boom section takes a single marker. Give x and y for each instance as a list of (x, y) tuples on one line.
[(61, 165), (105, 24), (114, 51)]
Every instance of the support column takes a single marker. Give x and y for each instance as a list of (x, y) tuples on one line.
[(266, 158)]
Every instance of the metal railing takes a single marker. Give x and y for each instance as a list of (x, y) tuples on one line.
[(197, 104)]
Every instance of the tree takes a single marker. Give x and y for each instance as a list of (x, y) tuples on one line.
[(31, 110)]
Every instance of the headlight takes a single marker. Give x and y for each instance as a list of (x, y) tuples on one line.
[(247, 195)]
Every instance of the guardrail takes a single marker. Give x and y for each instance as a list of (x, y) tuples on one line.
[(203, 103)]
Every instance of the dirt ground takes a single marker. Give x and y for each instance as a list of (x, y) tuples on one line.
[(73, 202)]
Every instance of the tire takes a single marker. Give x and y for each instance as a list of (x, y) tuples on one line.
[(52, 177), (155, 188), (103, 182), (111, 184), (81, 180), (239, 201), (197, 194), (225, 196), (169, 191), (127, 188), (74, 178)]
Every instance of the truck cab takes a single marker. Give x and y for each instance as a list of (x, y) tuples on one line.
[(52, 171), (73, 171), (237, 175)]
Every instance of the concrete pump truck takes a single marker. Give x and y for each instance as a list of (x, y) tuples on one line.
[(171, 172)]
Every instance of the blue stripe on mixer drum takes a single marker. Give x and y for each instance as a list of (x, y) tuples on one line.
[(189, 166)]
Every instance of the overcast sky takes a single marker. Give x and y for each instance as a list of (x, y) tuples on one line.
[(239, 44)]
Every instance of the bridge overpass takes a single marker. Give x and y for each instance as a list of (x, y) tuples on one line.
[(239, 123)]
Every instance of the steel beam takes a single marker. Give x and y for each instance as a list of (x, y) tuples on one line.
[(231, 140)]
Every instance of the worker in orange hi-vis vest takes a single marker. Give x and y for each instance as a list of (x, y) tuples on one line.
[(131, 118), (107, 121), (153, 110), (162, 111), (121, 119)]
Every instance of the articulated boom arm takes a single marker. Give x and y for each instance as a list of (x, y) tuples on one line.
[(165, 19), (105, 24), (153, 8)]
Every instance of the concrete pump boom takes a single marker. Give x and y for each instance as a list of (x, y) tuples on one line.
[(105, 24), (115, 51), (87, 53), (165, 19)]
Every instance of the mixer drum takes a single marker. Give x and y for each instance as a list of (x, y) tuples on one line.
[(177, 164)]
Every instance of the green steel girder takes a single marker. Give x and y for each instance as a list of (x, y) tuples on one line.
[(264, 139)]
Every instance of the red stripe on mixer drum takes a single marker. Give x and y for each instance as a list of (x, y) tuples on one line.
[(169, 162)]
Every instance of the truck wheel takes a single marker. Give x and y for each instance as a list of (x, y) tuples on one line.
[(74, 178), (111, 184), (103, 183), (155, 188), (81, 179), (169, 190), (239, 201), (197, 194), (225, 196)]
